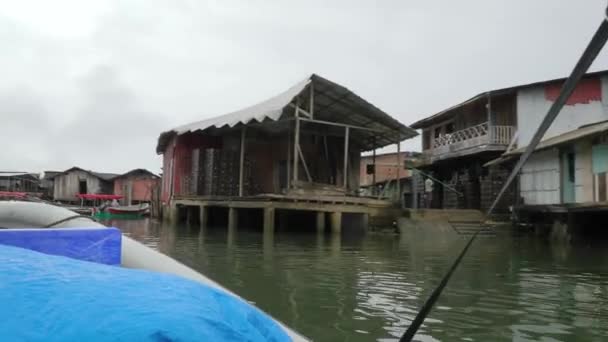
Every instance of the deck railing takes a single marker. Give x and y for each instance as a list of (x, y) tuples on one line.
[(478, 135)]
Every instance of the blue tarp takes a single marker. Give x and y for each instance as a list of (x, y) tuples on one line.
[(100, 245), (54, 298)]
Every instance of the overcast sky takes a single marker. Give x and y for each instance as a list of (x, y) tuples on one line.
[(94, 85)]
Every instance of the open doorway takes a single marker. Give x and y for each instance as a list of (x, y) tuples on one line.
[(82, 186)]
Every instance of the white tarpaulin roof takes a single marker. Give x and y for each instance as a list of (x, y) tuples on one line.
[(269, 109), (332, 103)]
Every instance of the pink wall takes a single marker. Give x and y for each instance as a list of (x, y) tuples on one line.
[(141, 188), (177, 160)]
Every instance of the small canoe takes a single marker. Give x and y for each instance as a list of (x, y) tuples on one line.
[(141, 209)]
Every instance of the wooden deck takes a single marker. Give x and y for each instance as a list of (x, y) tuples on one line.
[(350, 204), (565, 208), (323, 206)]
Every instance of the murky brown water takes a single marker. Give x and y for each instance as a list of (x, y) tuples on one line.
[(369, 287)]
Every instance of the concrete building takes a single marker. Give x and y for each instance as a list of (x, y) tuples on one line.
[(136, 186), (386, 166), (74, 181), (461, 142), (378, 176), (298, 151)]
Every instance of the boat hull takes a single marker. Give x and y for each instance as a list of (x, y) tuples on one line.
[(17, 214)]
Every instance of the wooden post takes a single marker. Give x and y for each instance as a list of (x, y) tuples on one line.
[(173, 213), (269, 214), (336, 222), (398, 173), (345, 174), (490, 119), (305, 166), (242, 160), (296, 147), (320, 221), (232, 219), (414, 178), (374, 173), (203, 216), (365, 221), (311, 110), (288, 161)]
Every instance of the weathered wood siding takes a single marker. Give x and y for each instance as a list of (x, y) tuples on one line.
[(539, 182), (66, 186)]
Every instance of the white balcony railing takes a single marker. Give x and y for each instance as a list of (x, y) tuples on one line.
[(482, 134)]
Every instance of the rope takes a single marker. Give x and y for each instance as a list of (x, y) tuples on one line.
[(69, 218), (593, 49)]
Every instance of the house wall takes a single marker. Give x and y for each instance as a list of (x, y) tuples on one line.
[(141, 187), (534, 103), (66, 186), (177, 162), (539, 181), (503, 114), (583, 172), (383, 172), (203, 165)]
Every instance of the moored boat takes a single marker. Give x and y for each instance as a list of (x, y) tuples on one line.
[(140, 209)]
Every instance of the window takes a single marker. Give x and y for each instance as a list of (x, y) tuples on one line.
[(449, 128)]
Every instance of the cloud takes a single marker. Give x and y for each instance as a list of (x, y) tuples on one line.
[(105, 80), (111, 132)]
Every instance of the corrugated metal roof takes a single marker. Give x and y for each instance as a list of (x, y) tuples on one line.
[(134, 171), (102, 175), (16, 174), (333, 102), (576, 134), (444, 114), (583, 131)]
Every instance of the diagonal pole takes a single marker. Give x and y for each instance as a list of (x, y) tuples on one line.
[(593, 49)]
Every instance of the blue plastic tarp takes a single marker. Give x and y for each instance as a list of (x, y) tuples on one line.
[(102, 245), (54, 298)]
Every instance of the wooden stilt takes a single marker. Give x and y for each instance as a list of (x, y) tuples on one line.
[(320, 221), (336, 222), (242, 160), (345, 173), (269, 215)]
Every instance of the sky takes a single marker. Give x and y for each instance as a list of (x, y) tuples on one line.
[(93, 83)]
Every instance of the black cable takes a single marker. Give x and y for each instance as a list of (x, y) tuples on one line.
[(593, 49), (69, 218)]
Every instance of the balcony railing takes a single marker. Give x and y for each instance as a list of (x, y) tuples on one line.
[(474, 136)]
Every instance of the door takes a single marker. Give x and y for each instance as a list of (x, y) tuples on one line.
[(82, 186), (568, 180)]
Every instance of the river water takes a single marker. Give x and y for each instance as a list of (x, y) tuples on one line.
[(368, 287)]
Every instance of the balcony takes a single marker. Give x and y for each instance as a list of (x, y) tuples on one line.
[(482, 137)]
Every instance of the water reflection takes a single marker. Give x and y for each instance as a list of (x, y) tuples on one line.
[(369, 287)]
